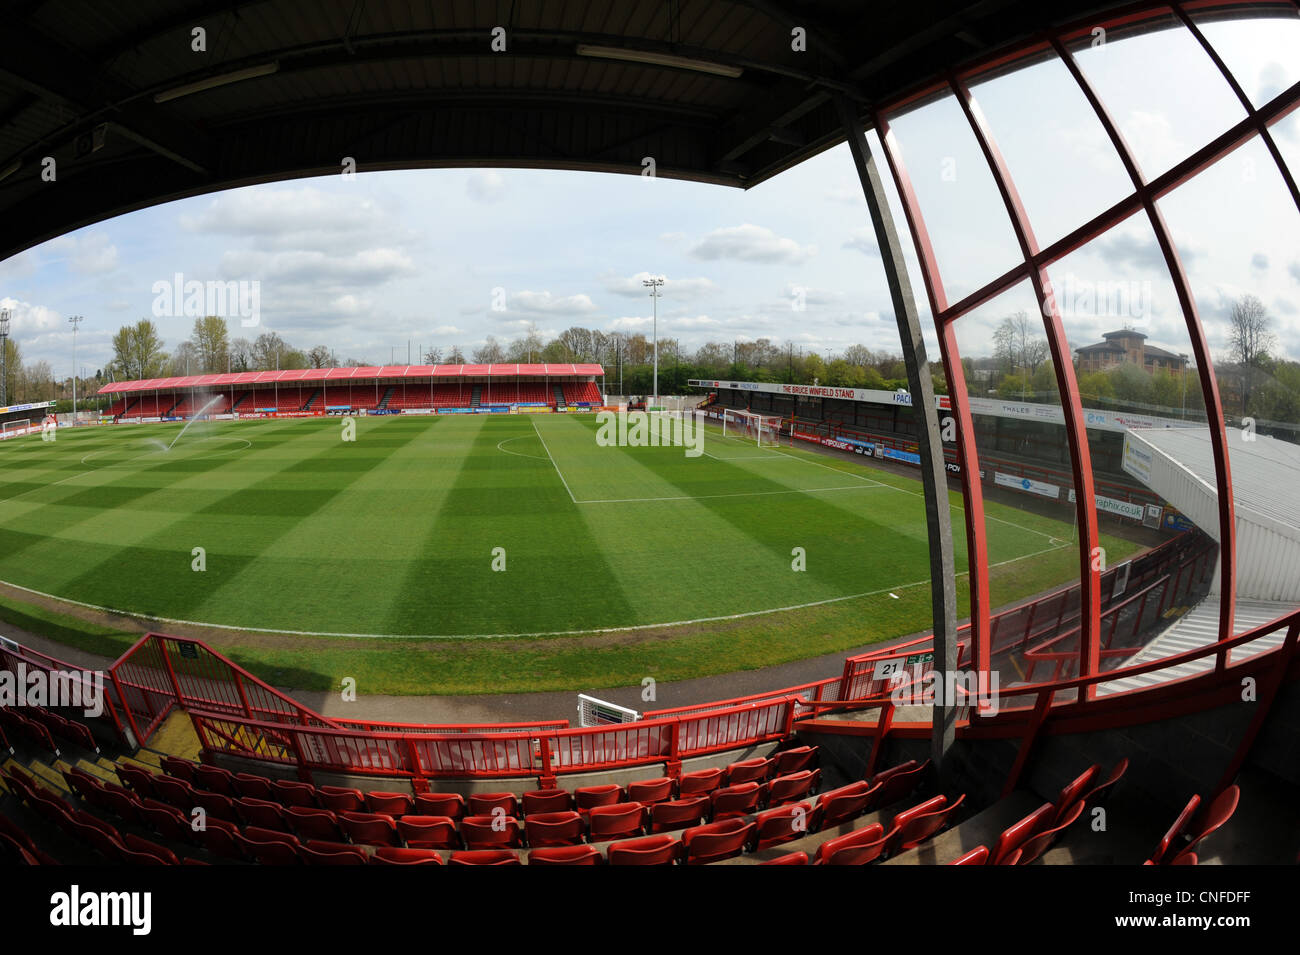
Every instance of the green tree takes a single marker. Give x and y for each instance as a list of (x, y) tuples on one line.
[(211, 344), (138, 351)]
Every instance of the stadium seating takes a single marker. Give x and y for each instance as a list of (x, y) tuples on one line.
[(678, 813), (793, 858), (652, 850), (484, 857), (389, 856), (547, 800), (429, 832), (369, 828), (554, 828), (699, 781), (739, 800), (717, 840), (583, 392), (1191, 827), (859, 847), (618, 821), (490, 832), (566, 855), (847, 802)]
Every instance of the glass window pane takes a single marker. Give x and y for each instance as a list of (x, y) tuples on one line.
[(1286, 133), (1236, 226), (1084, 175), (964, 213), (1137, 382), (1262, 49), (1162, 90)]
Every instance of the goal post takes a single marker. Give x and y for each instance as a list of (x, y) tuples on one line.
[(15, 426), (763, 430)]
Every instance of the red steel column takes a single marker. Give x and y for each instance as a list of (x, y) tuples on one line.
[(1201, 349), (976, 544), (1063, 362)]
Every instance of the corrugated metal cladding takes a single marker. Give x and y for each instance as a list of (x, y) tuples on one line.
[(1265, 494), (714, 90)]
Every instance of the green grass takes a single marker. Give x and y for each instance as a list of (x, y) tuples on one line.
[(394, 535)]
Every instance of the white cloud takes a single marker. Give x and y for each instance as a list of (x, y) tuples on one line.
[(864, 240), (545, 303), (90, 253), (631, 287), (750, 243), (487, 186), (29, 319)]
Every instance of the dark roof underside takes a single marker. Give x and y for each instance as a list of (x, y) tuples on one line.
[(417, 84)]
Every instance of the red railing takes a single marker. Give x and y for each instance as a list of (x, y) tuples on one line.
[(495, 754), (58, 672), (827, 690)]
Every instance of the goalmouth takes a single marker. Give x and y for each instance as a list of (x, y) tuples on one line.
[(764, 430)]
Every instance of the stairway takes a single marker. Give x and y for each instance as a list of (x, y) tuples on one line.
[(310, 401), (475, 396), (179, 402), (133, 402), (558, 392), (388, 393), (242, 398)]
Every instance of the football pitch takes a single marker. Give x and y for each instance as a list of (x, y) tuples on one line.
[(469, 527)]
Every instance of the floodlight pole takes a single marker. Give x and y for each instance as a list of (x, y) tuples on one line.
[(74, 321), (934, 471), (4, 358), (654, 285)]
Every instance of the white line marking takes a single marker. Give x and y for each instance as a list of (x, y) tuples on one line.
[(499, 636), (533, 422), (519, 454), (702, 497)]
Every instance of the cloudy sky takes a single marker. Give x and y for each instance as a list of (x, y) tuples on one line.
[(364, 264)]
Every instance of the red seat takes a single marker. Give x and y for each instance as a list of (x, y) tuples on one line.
[(1015, 836), (168, 821), (139, 780), (1185, 858), (914, 826), (619, 821), (484, 857), (547, 800), (1191, 827), (429, 832), (369, 828), (585, 797), (490, 832), (553, 829), (700, 781), (739, 800), (341, 799), (1102, 788), (860, 847), (678, 813), (749, 770), (179, 768), (215, 779), (784, 824), (566, 855), (218, 837), (649, 791), (319, 824), (176, 792), (331, 853), (99, 835), (793, 786), (652, 850), (215, 804), (439, 804), (386, 855), (1040, 843), (1072, 792), (847, 802), (389, 804), (897, 783), (794, 760), (794, 858), (249, 786), (291, 793), (483, 804), (269, 847), (977, 856), (717, 841), (263, 814)]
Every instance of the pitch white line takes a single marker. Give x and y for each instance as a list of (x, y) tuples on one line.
[(702, 497), (519, 454), (500, 636), (533, 422)]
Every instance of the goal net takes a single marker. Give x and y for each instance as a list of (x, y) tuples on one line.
[(15, 426), (764, 430)]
